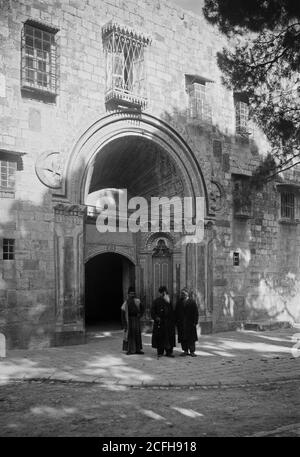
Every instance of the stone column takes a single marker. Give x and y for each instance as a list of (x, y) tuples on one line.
[(205, 278), (145, 287), (69, 273), (177, 274), (191, 266)]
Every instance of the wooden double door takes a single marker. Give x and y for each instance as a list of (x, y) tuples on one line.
[(162, 274)]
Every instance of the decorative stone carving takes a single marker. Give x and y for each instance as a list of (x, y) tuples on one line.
[(208, 224), (68, 244), (69, 213), (152, 237), (215, 197), (48, 168), (161, 249), (113, 126), (94, 249)]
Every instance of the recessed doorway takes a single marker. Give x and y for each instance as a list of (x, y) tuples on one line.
[(107, 278)]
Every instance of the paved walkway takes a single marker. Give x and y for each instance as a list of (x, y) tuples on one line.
[(224, 360)]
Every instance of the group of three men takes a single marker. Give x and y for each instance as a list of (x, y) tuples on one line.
[(165, 319)]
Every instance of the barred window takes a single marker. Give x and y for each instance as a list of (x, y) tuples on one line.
[(8, 249), (7, 174), (236, 259), (39, 58), (125, 66), (199, 106), (288, 202), (241, 117)]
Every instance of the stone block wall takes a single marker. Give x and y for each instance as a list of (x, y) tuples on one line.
[(182, 43), (27, 285), (265, 285)]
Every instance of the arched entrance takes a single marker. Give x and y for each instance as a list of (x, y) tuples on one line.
[(146, 156), (107, 278), (77, 170), (134, 167)]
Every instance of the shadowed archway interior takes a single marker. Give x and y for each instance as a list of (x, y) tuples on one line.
[(107, 276), (138, 165), (144, 169)]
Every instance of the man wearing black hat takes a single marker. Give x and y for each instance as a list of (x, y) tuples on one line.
[(163, 335), (186, 315)]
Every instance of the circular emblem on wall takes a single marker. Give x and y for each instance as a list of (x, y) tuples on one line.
[(216, 196), (48, 168)]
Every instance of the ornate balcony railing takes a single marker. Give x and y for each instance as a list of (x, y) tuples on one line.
[(125, 66)]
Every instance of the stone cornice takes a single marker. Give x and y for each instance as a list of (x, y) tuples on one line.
[(69, 209)]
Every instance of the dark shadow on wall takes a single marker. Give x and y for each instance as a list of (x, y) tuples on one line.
[(239, 290), (103, 289), (27, 292), (265, 284)]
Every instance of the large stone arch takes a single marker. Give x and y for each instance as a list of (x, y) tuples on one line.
[(117, 125), (93, 251), (71, 250)]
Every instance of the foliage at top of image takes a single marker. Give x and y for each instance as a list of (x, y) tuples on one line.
[(263, 61), (237, 16)]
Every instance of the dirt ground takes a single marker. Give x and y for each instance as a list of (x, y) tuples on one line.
[(49, 408)]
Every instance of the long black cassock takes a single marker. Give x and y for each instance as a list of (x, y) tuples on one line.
[(131, 313), (163, 335), (186, 315)]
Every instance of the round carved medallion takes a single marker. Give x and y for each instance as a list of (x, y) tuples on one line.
[(48, 168), (216, 196)]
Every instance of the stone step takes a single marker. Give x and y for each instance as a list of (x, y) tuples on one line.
[(263, 326)]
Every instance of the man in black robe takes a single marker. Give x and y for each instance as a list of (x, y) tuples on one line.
[(186, 316), (163, 334), (131, 313)]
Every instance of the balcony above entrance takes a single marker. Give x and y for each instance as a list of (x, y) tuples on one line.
[(125, 67)]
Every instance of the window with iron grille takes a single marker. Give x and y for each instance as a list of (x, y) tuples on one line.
[(125, 66), (8, 249), (288, 205), (236, 259), (242, 117), (199, 105), (7, 175), (39, 58)]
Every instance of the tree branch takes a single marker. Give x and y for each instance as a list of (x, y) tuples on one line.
[(280, 171)]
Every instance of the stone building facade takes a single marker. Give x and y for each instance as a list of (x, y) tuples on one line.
[(98, 96)]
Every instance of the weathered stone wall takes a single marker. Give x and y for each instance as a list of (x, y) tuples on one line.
[(27, 283), (182, 43), (265, 285)]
